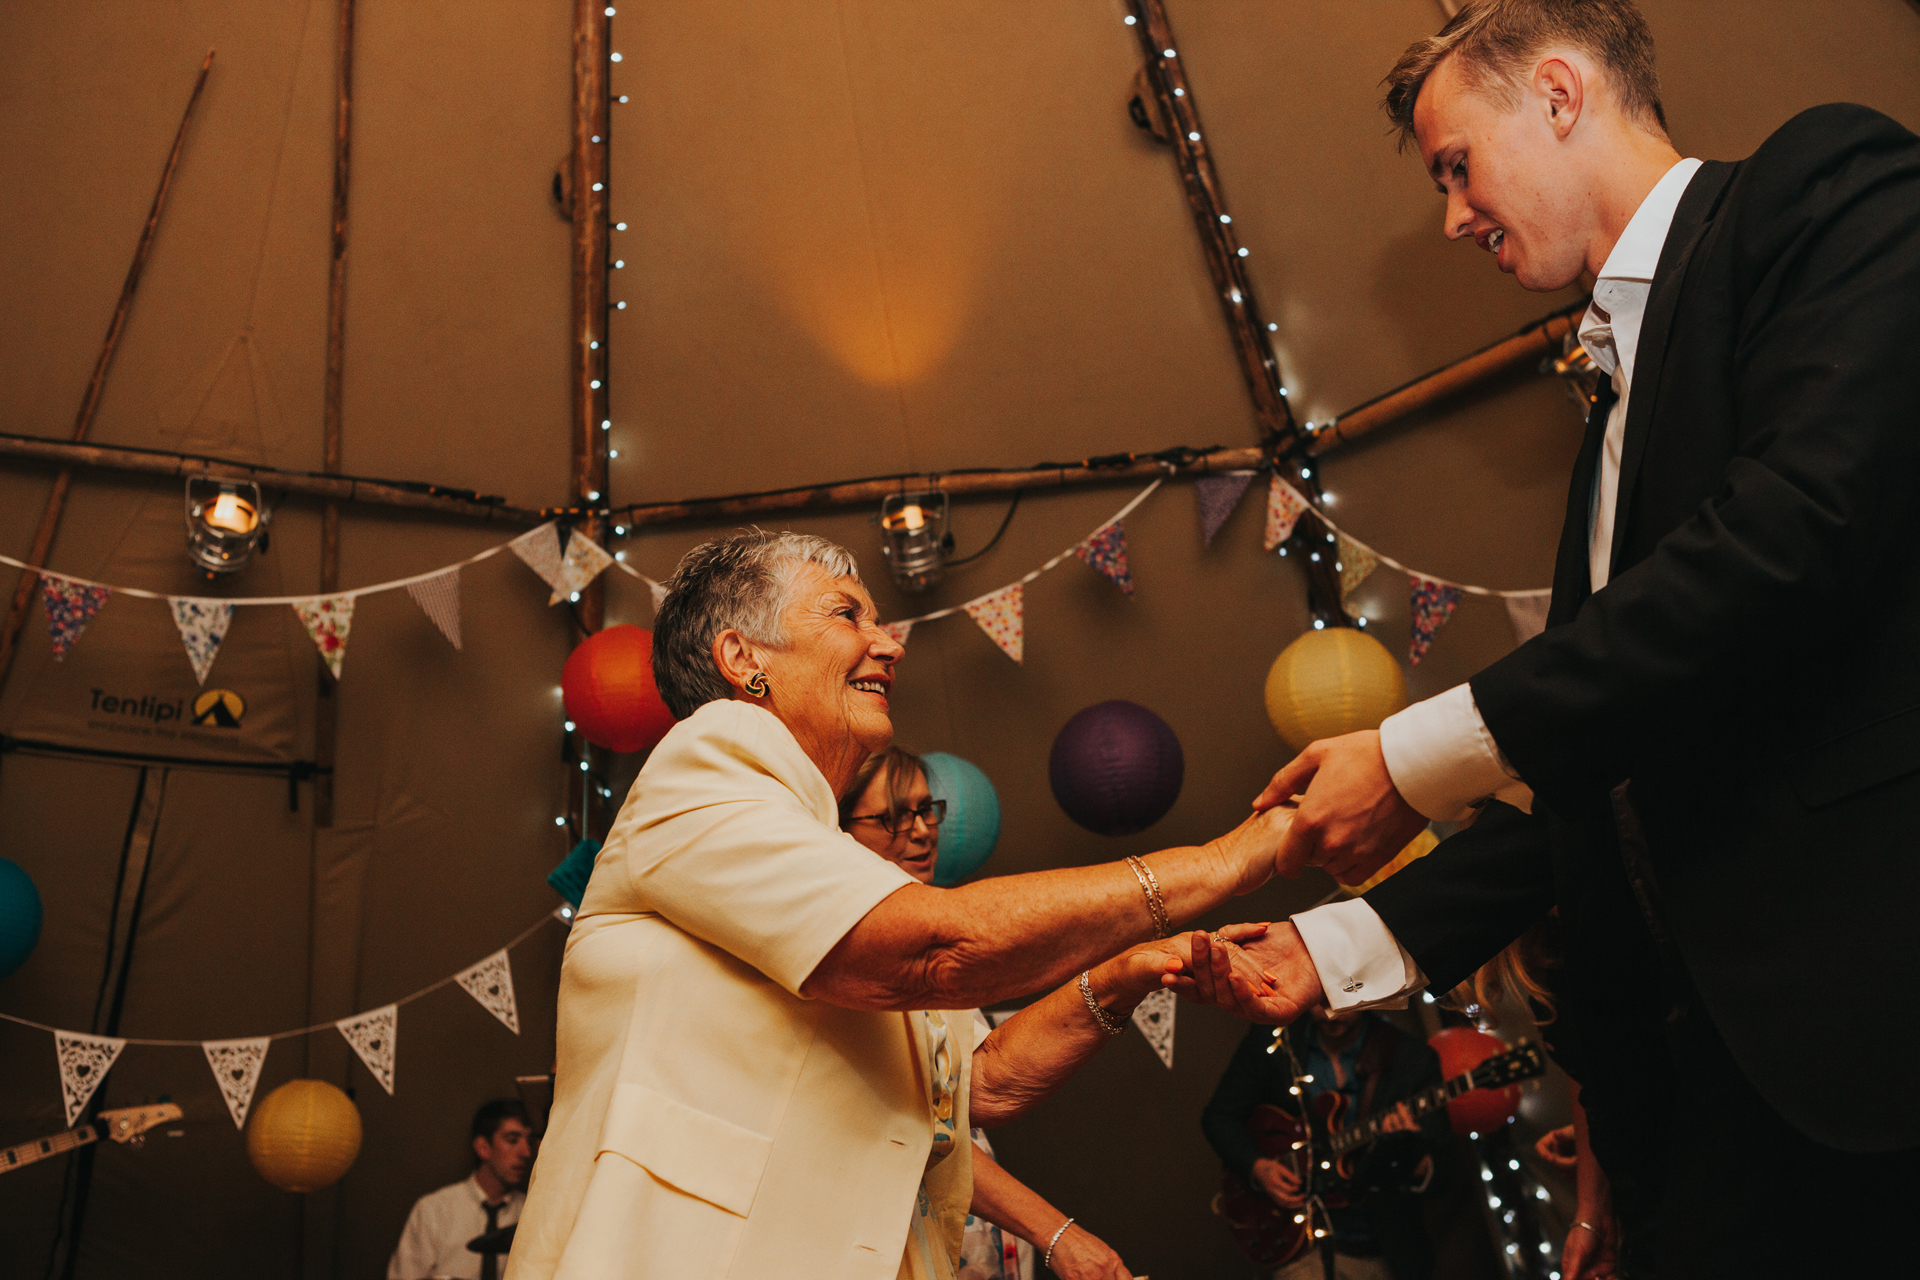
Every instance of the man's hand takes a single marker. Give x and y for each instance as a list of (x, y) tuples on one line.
[(1350, 820), (1399, 1120), (1281, 1184), (1267, 977)]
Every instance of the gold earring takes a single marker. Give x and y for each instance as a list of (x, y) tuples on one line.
[(757, 684)]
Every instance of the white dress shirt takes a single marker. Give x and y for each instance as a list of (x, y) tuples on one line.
[(1441, 757), (434, 1241)]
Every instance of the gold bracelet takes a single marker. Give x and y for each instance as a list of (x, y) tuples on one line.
[(1162, 927), (1111, 1023)]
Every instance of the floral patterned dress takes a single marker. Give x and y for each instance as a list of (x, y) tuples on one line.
[(946, 1189)]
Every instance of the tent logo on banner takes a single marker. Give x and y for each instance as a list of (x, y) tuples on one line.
[(219, 709)]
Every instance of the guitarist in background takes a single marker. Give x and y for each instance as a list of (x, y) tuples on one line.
[(1378, 1234)]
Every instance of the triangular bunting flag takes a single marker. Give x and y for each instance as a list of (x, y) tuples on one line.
[(1284, 505), (1154, 1017), (491, 983), (898, 630), (540, 549), (236, 1068), (1106, 551), (439, 598), (70, 607), (372, 1035), (327, 620), (203, 625), (1527, 611), (659, 590), (1002, 615), (1219, 495), (1356, 564), (583, 562), (84, 1061), (1433, 603)]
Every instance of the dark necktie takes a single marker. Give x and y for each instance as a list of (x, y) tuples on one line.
[(490, 1262)]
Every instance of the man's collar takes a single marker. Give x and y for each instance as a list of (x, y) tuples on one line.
[(1636, 255)]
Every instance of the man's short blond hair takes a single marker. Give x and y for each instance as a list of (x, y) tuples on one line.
[(1498, 42)]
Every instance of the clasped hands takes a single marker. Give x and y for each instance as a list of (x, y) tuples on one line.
[(1347, 818)]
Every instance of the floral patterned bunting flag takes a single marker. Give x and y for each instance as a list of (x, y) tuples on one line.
[(584, 561), (1356, 564), (1527, 611), (1002, 615), (236, 1069), (899, 631), (439, 598), (1154, 1017), (1432, 604), (372, 1036), (84, 1062), (203, 625), (70, 607), (1219, 495), (540, 550), (491, 983), (327, 620), (1106, 551), (1284, 505)]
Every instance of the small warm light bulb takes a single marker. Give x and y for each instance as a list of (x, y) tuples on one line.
[(619, 306), (595, 384), (619, 226), (232, 514), (575, 597), (1129, 19), (1296, 1146), (614, 56), (583, 766), (613, 453), (599, 186), (1179, 93), (593, 495), (559, 822), (619, 263), (1243, 249), (1294, 1089), (1192, 136), (1299, 1217), (1225, 218), (1306, 1079), (1168, 52), (569, 726)]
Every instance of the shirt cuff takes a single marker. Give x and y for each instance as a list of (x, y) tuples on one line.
[(1444, 762), (1360, 963)]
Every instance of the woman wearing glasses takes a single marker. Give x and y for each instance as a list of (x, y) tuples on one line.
[(891, 810)]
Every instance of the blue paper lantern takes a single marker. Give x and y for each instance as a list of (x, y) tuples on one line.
[(19, 916), (972, 826), (1116, 768)]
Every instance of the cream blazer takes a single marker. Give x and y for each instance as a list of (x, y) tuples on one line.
[(708, 1122)]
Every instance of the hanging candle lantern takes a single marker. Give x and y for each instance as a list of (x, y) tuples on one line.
[(20, 916), (1116, 768), (1461, 1049), (1331, 682), (972, 825), (304, 1135), (609, 692)]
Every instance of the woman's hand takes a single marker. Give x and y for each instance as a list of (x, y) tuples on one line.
[(1281, 1183), (1250, 850), (1267, 977), (1081, 1255), (1592, 1250)]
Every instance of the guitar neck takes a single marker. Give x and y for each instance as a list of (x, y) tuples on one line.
[(1422, 1104), (28, 1152)]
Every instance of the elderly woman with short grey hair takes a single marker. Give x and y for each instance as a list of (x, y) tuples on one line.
[(755, 1077)]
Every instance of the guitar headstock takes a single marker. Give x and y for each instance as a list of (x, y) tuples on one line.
[(129, 1123), (1522, 1062)]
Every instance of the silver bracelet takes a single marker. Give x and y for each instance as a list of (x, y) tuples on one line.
[(1048, 1261), (1111, 1023)]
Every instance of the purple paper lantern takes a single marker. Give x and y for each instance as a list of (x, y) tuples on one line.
[(1116, 768)]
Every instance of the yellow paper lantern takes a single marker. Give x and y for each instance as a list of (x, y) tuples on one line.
[(1422, 845), (1331, 682), (304, 1135)]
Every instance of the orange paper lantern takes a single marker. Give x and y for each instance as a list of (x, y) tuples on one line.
[(304, 1135), (609, 691), (1461, 1049)]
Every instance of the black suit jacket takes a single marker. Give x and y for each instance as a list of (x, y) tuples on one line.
[(1752, 669)]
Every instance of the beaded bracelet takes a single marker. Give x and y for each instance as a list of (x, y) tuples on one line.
[(1048, 1262)]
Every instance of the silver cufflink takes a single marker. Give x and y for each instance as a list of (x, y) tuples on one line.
[(1353, 985)]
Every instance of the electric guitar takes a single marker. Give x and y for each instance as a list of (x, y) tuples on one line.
[(128, 1124), (1269, 1234)]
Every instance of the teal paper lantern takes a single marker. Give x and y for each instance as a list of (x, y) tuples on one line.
[(20, 914), (972, 826), (569, 879)]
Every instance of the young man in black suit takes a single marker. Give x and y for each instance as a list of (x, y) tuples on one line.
[(1710, 760)]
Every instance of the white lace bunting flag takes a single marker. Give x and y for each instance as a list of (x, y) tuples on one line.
[(327, 620), (540, 549), (1154, 1017), (236, 1068), (491, 983), (584, 561), (1527, 611), (203, 625), (371, 1035), (439, 598), (1002, 615), (84, 1062)]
